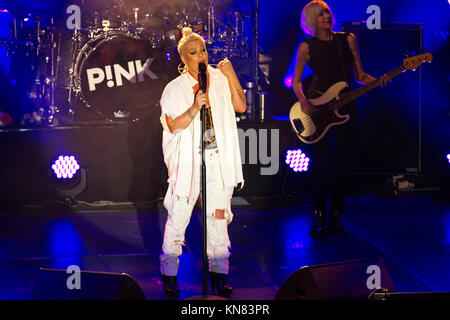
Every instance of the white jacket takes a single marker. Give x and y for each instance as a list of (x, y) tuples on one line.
[(182, 149)]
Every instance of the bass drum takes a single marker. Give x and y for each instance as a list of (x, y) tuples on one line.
[(120, 77)]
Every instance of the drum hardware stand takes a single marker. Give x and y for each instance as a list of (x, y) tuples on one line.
[(255, 60), (211, 22), (15, 27), (53, 72), (236, 21), (136, 12), (239, 29), (106, 24), (38, 35), (73, 91)]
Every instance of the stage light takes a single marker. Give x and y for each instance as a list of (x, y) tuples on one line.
[(288, 82), (448, 156), (65, 167), (66, 178), (297, 160)]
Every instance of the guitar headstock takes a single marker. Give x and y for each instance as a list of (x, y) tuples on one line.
[(412, 63)]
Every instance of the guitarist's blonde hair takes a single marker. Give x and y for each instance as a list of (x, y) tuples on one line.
[(310, 13)]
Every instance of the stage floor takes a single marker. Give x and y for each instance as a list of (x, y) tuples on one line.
[(269, 243)]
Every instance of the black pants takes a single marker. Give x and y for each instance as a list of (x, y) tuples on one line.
[(331, 163)]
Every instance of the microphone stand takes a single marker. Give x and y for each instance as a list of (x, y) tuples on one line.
[(204, 228), (202, 79)]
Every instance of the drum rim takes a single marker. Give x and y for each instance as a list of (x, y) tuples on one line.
[(83, 54)]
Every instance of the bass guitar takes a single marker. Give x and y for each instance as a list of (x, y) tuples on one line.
[(311, 128)]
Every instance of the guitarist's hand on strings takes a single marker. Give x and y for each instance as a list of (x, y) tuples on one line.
[(307, 107), (384, 80)]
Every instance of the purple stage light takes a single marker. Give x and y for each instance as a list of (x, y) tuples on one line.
[(288, 82), (448, 156), (65, 167), (297, 160), (66, 178)]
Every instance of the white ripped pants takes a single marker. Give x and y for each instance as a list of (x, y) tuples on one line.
[(179, 215)]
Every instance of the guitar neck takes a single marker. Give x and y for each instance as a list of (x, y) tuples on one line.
[(350, 96)]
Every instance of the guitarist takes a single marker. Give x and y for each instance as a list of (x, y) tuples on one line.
[(332, 55)]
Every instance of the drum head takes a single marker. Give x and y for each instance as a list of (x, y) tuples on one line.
[(121, 78)]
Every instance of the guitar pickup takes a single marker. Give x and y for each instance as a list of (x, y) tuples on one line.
[(298, 126)]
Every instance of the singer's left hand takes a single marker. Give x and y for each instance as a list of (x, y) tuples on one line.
[(226, 67)]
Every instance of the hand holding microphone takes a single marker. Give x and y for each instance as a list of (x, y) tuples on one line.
[(200, 100), (201, 97)]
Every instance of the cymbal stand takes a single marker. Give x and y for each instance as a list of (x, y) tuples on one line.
[(253, 85), (38, 35), (53, 69), (256, 44), (136, 16), (72, 90), (15, 27), (211, 22), (243, 41)]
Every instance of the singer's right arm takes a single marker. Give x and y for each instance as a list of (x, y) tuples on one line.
[(184, 120)]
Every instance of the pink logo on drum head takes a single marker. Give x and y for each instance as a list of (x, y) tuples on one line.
[(134, 73)]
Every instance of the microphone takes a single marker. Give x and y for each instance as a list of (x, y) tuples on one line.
[(202, 79)]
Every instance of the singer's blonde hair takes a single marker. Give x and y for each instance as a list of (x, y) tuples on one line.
[(309, 16), (188, 36)]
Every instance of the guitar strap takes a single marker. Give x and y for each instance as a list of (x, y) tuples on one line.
[(341, 37)]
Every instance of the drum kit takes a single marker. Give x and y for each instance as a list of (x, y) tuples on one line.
[(118, 60)]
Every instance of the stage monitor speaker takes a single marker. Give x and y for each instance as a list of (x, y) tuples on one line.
[(52, 284), (347, 280)]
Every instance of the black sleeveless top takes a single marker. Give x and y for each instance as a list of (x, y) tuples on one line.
[(331, 61)]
